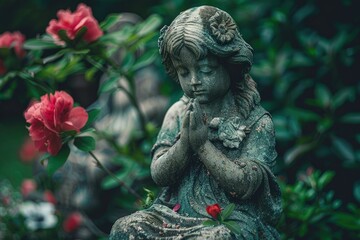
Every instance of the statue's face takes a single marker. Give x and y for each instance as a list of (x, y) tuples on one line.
[(205, 79)]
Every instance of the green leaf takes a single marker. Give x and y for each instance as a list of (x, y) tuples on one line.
[(228, 211), (40, 44), (150, 196), (93, 115), (110, 21), (233, 227), (347, 221), (325, 178), (85, 144), (63, 36), (6, 91), (302, 114), (323, 94), (145, 59), (325, 124), (128, 61), (109, 84), (356, 191), (53, 57), (149, 25), (351, 118), (210, 223), (343, 148), (148, 191), (342, 96), (294, 153), (118, 38), (70, 133), (80, 34), (55, 162)]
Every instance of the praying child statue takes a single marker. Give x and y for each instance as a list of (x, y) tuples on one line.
[(216, 144)]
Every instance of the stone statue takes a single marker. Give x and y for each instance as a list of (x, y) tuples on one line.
[(216, 144)]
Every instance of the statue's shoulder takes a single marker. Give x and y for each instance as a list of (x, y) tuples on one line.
[(258, 114)]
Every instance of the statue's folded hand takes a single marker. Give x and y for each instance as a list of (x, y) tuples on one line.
[(198, 134)]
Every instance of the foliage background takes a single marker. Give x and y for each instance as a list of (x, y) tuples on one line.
[(305, 64)]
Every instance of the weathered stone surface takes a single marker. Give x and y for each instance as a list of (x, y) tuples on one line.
[(216, 144)]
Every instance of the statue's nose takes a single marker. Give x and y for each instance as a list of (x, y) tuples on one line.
[(195, 81)]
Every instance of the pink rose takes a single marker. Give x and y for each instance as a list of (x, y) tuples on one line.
[(27, 187), (50, 117), (73, 22), (72, 222), (15, 40)]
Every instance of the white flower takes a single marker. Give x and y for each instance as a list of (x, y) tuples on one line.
[(38, 215)]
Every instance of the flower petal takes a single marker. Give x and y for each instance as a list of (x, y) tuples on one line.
[(76, 120)]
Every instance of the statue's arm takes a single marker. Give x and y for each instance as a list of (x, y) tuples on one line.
[(242, 177), (169, 162)]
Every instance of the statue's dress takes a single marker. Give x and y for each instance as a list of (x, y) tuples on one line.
[(257, 209)]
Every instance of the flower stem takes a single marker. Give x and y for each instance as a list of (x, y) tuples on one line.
[(121, 183)]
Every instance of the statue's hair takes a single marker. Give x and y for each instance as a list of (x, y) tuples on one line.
[(191, 29)]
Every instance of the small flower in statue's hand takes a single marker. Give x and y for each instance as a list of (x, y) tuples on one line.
[(222, 217), (214, 210), (73, 23), (52, 116)]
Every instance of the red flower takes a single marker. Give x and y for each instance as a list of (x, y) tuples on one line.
[(27, 187), (28, 151), (15, 40), (73, 22), (72, 222), (49, 197), (214, 210), (50, 117), (2, 67)]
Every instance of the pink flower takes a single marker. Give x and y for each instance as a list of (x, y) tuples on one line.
[(15, 40), (73, 22), (27, 187), (48, 196), (213, 210), (50, 117), (176, 207), (28, 151), (72, 222)]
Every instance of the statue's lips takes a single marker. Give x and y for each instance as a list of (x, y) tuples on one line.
[(200, 92)]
